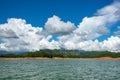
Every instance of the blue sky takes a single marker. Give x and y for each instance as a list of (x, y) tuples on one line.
[(36, 12), (65, 23)]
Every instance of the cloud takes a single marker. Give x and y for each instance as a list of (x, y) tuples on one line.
[(91, 28), (7, 34), (54, 25), (112, 44), (19, 36)]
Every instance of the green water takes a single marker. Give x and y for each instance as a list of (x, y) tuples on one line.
[(59, 70)]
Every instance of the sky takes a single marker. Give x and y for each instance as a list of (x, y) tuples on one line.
[(32, 25)]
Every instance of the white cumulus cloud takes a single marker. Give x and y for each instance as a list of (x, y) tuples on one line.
[(19, 36), (54, 25), (93, 27), (112, 44)]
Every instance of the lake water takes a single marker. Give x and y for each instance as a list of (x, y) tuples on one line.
[(59, 70)]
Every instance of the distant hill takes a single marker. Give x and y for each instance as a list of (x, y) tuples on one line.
[(64, 54)]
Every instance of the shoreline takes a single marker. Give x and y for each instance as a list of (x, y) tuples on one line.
[(58, 58)]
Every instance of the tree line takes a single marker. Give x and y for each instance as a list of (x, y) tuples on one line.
[(63, 54)]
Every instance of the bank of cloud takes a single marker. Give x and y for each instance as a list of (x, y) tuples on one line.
[(17, 35)]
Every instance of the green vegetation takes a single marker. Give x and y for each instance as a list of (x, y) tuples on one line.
[(63, 54), (94, 54)]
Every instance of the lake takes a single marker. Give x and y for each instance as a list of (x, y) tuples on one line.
[(60, 70)]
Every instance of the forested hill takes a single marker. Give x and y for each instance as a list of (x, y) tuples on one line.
[(64, 54)]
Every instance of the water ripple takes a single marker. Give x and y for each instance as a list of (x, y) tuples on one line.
[(59, 70)]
